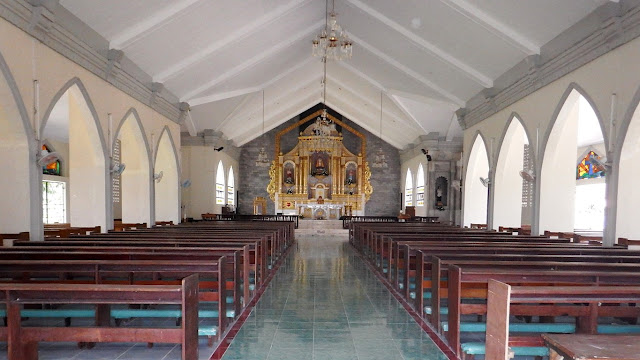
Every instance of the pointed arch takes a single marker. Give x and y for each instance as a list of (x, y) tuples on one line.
[(475, 193), (510, 189), (420, 186), (560, 147), (231, 183), (22, 188), (408, 189), (82, 91), (167, 197), (220, 184), (135, 181), (79, 125)]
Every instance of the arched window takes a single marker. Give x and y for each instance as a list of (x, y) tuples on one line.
[(231, 199), (51, 168), (420, 187), (220, 184), (408, 189)]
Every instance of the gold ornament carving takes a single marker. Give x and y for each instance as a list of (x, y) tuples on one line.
[(273, 183), (368, 188)]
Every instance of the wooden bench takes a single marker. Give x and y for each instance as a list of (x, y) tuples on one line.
[(22, 342), (138, 272), (472, 283), (586, 303)]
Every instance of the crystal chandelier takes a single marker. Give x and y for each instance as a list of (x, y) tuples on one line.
[(263, 158), (380, 160), (332, 43)]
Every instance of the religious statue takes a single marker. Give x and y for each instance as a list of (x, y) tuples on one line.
[(320, 200), (288, 175), (320, 167)]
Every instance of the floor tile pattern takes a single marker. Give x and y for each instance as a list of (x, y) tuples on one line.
[(325, 304)]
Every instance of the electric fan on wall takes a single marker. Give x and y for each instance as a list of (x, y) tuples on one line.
[(158, 176), (527, 175), (485, 181), (118, 169), (45, 157), (185, 184)]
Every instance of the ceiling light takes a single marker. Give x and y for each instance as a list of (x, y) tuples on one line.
[(332, 43)]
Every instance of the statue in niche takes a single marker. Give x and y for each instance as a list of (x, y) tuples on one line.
[(441, 193), (319, 161), (288, 174), (350, 177)]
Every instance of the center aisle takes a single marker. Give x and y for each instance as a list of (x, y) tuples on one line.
[(325, 304)]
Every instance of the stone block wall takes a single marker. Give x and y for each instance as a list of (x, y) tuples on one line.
[(253, 181)]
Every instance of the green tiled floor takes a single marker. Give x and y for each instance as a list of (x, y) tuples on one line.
[(325, 304)]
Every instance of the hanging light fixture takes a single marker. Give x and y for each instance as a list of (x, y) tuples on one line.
[(263, 158), (381, 159), (332, 43)]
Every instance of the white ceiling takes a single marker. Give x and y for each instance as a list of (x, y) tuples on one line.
[(426, 57)]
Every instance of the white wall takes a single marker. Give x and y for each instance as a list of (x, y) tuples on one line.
[(558, 177), (54, 73), (167, 204), (135, 184), (616, 72), (629, 173), (15, 162), (199, 165), (475, 194), (86, 166), (507, 199)]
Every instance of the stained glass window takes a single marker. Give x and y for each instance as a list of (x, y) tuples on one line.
[(52, 168), (588, 169)]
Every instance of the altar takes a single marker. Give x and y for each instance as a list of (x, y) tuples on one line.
[(318, 177), (321, 211)]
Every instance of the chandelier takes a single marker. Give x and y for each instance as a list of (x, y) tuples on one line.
[(332, 43), (263, 158), (380, 160)]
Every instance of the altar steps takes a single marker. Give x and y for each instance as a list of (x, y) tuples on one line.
[(321, 227)]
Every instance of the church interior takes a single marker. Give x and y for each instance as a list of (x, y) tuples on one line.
[(325, 154)]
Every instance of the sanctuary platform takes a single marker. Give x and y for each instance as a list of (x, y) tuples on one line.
[(320, 227)]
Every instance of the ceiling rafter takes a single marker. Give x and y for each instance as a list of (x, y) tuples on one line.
[(364, 125), (305, 103), (234, 93), (500, 29), (233, 112), (434, 50), (148, 25), (255, 111), (253, 61), (243, 32), (411, 73), (223, 95), (379, 86), (355, 93)]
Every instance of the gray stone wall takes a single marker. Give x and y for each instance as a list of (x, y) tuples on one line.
[(253, 181)]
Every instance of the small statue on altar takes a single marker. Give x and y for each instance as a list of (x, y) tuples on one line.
[(320, 167), (320, 200)]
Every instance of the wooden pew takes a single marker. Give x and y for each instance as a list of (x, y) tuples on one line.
[(586, 303), (23, 341), (469, 281), (141, 272)]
